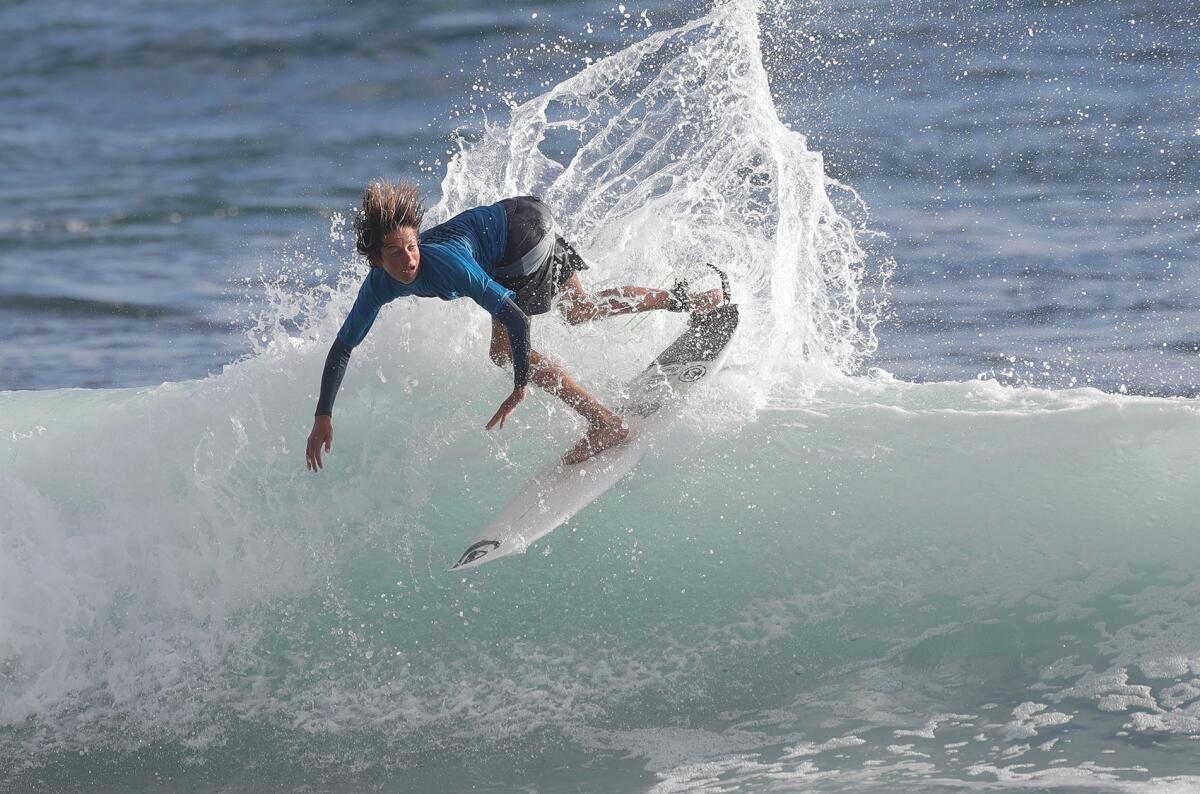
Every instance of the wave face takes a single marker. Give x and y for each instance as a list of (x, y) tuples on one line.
[(824, 580)]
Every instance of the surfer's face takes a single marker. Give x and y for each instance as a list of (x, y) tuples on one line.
[(400, 255)]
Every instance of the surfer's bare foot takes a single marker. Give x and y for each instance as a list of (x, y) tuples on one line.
[(598, 439), (705, 302), (695, 303)]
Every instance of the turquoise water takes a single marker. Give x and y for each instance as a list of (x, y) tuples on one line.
[(854, 565), (948, 582)]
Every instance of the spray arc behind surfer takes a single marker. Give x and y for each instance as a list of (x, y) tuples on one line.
[(509, 259)]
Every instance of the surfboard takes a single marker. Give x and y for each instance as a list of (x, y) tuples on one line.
[(651, 400)]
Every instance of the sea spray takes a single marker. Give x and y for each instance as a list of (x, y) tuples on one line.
[(671, 153)]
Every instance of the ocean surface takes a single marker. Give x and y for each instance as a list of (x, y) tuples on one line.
[(933, 528)]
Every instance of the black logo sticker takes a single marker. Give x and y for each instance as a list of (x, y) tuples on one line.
[(693, 373), (477, 550)]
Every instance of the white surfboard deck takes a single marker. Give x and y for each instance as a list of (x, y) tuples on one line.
[(652, 399)]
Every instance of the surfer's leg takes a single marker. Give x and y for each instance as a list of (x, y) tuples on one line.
[(577, 306), (607, 428), (551, 377)]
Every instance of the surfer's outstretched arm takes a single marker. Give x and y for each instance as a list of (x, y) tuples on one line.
[(553, 378), (514, 324), (331, 380)]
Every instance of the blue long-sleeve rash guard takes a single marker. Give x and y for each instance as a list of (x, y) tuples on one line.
[(458, 259)]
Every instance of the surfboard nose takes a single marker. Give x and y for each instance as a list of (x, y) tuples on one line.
[(475, 553)]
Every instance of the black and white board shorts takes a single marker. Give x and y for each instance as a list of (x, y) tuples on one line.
[(536, 268)]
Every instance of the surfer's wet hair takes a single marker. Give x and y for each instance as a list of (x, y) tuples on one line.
[(386, 206)]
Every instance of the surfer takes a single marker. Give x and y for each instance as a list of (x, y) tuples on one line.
[(509, 259)]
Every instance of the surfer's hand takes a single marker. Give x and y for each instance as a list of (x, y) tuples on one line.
[(321, 436), (508, 406)]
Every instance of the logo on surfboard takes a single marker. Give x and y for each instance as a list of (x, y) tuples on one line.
[(693, 373), (477, 550)]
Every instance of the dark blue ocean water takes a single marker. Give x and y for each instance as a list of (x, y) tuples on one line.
[(1033, 165)]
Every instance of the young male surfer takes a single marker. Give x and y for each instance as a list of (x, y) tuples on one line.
[(506, 257)]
